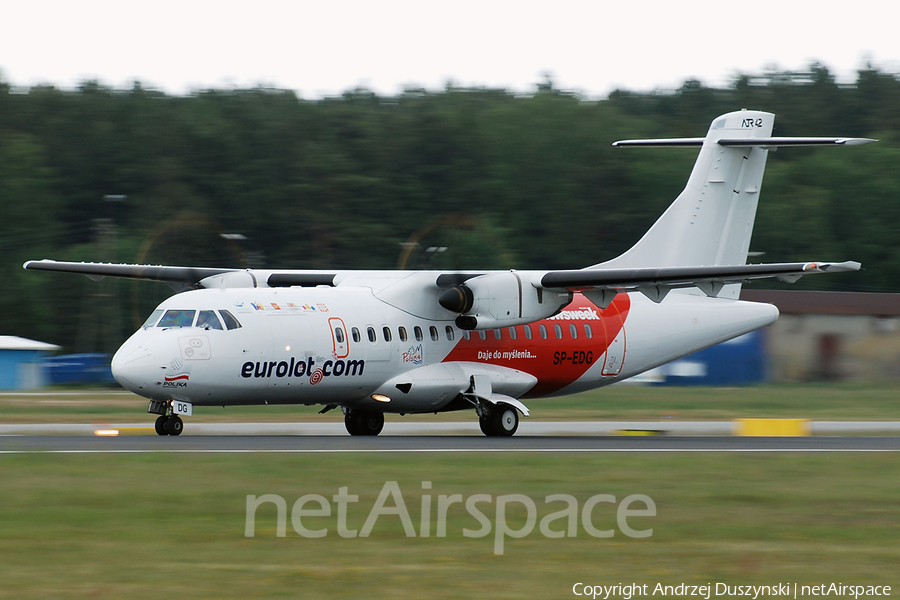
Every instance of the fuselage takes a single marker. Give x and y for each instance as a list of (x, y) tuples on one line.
[(344, 345)]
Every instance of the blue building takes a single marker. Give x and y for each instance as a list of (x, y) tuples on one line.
[(22, 363), (741, 361), (79, 369)]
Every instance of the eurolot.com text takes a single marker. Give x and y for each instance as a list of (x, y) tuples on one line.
[(595, 515)]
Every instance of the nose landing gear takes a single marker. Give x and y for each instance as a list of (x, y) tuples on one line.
[(168, 422), (171, 425)]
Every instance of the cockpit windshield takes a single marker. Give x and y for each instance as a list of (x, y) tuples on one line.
[(152, 319), (177, 318), (230, 321), (206, 319)]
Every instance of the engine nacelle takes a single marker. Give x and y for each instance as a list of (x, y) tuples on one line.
[(502, 300), (232, 279)]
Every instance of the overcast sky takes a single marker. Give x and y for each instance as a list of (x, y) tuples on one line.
[(328, 46)]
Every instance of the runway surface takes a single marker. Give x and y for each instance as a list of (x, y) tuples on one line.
[(453, 428), (388, 444)]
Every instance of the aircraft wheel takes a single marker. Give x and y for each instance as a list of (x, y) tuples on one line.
[(504, 420), (372, 423), (161, 425), (174, 425), (486, 426), (351, 423), (362, 422)]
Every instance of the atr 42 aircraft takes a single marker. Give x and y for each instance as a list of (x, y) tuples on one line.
[(375, 342)]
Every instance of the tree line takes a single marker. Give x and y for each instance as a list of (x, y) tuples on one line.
[(451, 179)]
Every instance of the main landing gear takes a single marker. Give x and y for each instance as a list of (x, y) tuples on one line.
[(168, 422), (363, 422), (498, 420)]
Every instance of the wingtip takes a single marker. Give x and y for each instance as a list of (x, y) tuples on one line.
[(849, 265), (856, 141)]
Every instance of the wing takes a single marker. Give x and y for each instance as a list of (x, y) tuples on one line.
[(655, 283), (177, 277), (471, 295), (499, 299), (181, 278)]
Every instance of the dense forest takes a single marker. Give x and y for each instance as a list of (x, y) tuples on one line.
[(460, 178)]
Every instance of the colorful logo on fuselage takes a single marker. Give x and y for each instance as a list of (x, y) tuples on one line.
[(177, 374), (415, 355), (288, 307)]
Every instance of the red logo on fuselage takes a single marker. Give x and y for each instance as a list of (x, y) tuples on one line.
[(557, 350)]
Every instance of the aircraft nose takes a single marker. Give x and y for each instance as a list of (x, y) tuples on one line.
[(133, 366)]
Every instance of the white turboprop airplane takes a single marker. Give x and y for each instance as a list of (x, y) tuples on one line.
[(375, 342)]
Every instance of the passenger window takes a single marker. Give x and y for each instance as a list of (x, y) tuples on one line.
[(370, 332), (230, 321), (177, 318), (498, 334), (450, 334), (208, 320), (152, 319), (354, 332), (512, 333), (573, 331), (543, 330), (587, 331), (339, 335), (418, 331), (402, 332), (434, 333), (528, 332), (558, 330), (387, 333)]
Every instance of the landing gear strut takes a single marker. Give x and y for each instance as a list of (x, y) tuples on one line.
[(499, 420), (363, 422)]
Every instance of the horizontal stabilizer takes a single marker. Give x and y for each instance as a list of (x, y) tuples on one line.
[(775, 142), (765, 142), (663, 143)]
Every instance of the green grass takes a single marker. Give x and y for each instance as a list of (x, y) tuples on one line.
[(810, 401), (152, 526), (620, 402)]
